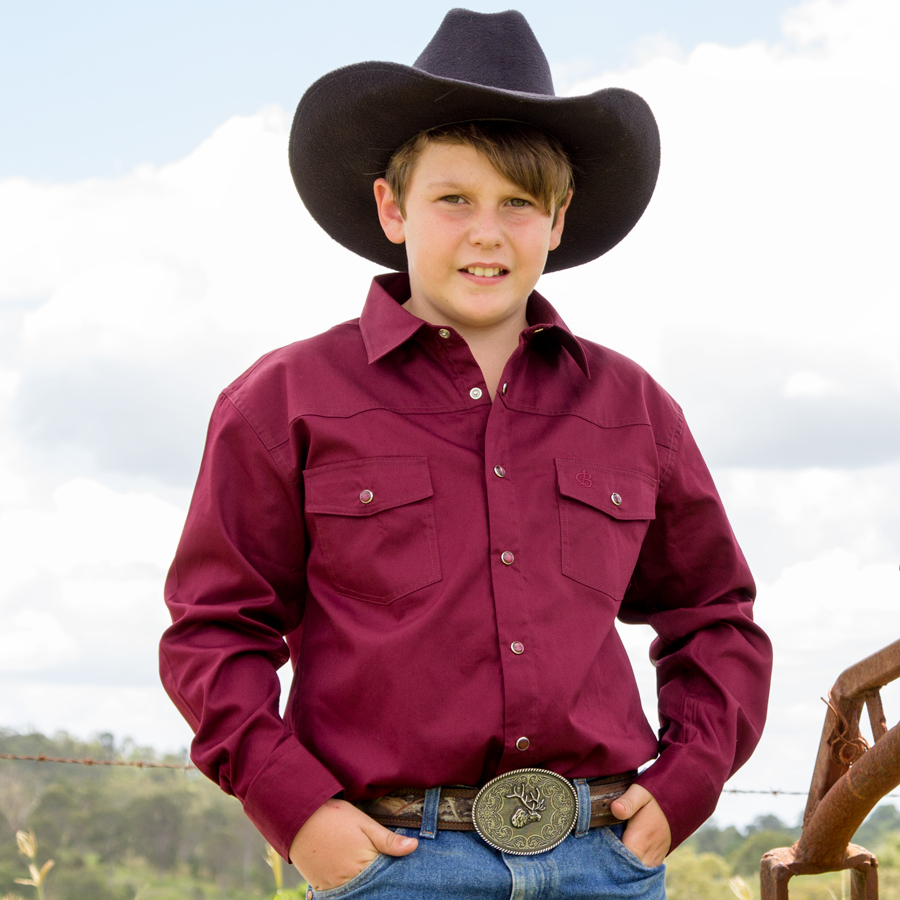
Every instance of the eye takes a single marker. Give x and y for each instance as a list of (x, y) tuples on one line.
[(519, 202), (453, 198)]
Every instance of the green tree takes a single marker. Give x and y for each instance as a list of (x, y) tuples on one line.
[(159, 822), (881, 822), (745, 859), (696, 876), (711, 839)]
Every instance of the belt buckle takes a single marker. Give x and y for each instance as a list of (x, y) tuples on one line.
[(526, 811)]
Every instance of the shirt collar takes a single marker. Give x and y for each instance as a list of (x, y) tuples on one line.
[(385, 324), (542, 315)]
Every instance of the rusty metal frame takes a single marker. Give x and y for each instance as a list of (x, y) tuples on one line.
[(849, 778)]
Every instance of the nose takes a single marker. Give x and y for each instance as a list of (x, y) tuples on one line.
[(486, 228)]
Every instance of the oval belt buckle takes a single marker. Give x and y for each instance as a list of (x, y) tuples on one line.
[(525, 812)]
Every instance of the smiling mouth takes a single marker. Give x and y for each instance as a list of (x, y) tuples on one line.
[(485, 273)]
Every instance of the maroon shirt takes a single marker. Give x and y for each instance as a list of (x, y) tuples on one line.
[(446, 572)]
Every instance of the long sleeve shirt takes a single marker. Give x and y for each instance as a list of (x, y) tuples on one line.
[(444, 570)]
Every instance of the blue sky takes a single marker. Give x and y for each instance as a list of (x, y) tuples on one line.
[(94, 88), (152, 246)]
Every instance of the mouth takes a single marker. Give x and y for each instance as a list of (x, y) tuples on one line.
[(485, 271)]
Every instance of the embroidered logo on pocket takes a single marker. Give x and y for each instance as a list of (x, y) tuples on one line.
[(584, 479)]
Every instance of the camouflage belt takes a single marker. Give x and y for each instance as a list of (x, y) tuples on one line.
[(523, 812)]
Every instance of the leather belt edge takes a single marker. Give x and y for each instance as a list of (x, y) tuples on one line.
[(402, 808)]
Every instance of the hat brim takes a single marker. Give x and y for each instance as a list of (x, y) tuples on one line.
[(351, 121)]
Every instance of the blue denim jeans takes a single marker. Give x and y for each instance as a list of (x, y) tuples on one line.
[(589, 864)]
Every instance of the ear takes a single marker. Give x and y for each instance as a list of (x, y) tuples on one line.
[(389, 212), (557, 230)]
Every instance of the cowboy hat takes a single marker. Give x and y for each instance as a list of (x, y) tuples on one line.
[(477, 66)]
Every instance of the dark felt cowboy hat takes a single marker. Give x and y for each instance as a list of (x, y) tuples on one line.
[(477, 66)]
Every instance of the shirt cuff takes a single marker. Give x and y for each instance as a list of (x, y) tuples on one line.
[(683, 790), (293, 785)]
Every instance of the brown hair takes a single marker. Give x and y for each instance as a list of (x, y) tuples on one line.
[(528, 157)]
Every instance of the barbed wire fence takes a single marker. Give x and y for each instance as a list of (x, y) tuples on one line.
[(87, 761), (188, 767)]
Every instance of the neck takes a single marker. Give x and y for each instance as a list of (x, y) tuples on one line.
[(491, 352)]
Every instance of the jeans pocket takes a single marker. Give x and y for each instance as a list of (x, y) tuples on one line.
[(613, 837), (360, 881)]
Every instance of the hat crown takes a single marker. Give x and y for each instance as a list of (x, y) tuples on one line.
[(496, 50)]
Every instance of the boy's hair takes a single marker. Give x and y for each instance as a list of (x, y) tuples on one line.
[(527, 156)]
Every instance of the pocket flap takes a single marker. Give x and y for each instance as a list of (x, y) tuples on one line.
[(620, 493), (363, 487)]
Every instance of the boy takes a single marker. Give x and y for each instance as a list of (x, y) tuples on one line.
[(440, 508)]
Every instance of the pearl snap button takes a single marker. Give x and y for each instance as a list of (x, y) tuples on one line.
[(523, 743), (507, 558), (617, 499), (444, 333), (366, 496), (517, 647), (475, 393), (499, 471)]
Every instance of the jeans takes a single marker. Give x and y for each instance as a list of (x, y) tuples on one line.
[(590, 864)]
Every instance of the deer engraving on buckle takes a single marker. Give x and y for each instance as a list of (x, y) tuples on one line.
[(525, 812)]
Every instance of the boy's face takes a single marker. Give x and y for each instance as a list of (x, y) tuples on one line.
[(463, 217)]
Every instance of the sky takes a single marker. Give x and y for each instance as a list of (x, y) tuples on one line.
[(152, 246)]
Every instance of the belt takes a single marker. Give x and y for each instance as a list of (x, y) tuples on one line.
[(523, 809)]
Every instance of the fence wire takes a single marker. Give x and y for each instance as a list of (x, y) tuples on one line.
[(87, 761)]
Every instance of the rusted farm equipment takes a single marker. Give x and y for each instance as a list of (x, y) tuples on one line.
[(848, 780)]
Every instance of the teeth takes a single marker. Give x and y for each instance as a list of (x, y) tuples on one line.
[(482, 272)]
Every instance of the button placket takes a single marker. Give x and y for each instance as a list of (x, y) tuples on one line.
[(518, 663)]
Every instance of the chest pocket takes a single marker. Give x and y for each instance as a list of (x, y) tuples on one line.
[(373, 526), (604, 513)]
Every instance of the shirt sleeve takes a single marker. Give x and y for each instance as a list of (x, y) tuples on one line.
[(713, 663), (235, 589)]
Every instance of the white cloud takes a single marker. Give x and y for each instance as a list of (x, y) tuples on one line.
[(134, 300), (808, 384), (81, 588), (31, 640), (774, 218), (88, 524), (759, 287), (861, 34)]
